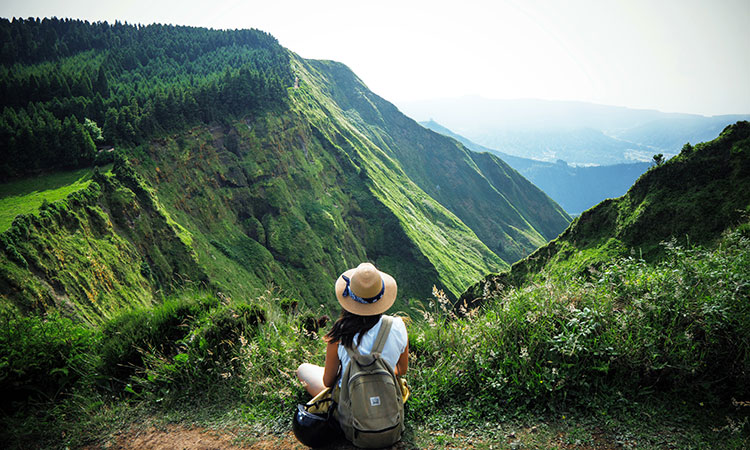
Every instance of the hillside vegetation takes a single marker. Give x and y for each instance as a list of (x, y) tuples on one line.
[(108, 247), (655, 356), (188, 282), (27, 195), (267, 186)]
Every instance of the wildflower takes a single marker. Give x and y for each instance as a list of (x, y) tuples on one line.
[(441, 298)]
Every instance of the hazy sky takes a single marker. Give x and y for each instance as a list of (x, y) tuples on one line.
[(671, 55)]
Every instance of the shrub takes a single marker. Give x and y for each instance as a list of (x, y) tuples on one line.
[(224, 326), (128, 336), (205, 358), (42, 357), (289, 305)]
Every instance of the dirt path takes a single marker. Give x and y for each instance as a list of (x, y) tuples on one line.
[(176, 437), (179, 437)]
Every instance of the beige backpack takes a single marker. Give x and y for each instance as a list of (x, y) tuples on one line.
[(370, 404)]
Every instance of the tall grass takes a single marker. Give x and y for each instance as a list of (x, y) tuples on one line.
[(617, 336), (623, 332), (196, 348)]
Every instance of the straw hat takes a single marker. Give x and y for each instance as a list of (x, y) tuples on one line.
[(366, 291)]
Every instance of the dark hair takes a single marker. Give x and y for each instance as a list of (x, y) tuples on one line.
[(349, 324)]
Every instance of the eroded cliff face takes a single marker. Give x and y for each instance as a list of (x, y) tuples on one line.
[(107, 247), (295, 197)]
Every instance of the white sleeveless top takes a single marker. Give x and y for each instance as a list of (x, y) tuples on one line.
[(394, 345)]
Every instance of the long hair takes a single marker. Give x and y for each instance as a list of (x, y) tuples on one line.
[(348, 325)]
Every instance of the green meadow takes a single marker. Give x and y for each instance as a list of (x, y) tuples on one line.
[(25, 196)]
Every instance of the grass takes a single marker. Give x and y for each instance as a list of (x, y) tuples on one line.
[(638, 356), (27, 195)]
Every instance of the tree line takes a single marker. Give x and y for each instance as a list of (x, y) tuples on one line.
[(68, 86)]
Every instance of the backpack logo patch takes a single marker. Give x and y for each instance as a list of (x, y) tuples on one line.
[(375, 401)]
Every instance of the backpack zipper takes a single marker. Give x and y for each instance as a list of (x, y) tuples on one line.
[(361, 374), (377, 431)]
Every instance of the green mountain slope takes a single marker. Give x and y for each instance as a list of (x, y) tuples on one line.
[(691, 198), (438, 234), (509, 214), (291, 208), (228, 181)]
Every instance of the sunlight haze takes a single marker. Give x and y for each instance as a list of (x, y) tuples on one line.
[(673, 56)]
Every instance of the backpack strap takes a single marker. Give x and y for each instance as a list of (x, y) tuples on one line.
[(385, 331), (377, 348)]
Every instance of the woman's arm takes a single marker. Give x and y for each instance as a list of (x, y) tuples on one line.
[(403, 362), (331, 370)]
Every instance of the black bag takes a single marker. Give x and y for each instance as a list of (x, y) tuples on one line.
[(314, 424)]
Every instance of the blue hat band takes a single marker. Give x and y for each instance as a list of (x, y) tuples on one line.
[(365, 301)]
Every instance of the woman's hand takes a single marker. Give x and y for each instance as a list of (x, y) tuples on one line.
[(402, 365)]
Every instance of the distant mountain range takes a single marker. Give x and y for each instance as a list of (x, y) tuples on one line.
[(576, 132), (575, 188)]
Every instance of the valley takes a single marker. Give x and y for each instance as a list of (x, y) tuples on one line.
[(575, 188), (580, 133)]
